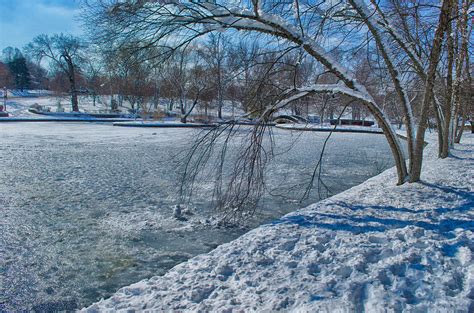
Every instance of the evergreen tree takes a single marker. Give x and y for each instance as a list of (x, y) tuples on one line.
[(20, 72), (6, 79)]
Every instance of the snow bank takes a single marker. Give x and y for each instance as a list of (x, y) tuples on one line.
[(375, 247)]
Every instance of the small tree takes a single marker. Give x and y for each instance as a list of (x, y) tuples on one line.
[(214, 53), (18, 67), (64, 52), (6, 78), (21, 74), (38, 75)]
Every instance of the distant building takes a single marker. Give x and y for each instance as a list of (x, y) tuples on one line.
[(351, 122)]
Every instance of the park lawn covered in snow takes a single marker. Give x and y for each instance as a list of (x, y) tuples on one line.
[(376, 247)]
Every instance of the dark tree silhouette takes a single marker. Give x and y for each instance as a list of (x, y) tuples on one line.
[(20, 73)]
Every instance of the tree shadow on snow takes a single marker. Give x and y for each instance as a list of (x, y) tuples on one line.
[(361, 224), (358, 225), (461, 158)]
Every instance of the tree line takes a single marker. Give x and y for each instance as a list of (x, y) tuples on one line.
[(201, 76)]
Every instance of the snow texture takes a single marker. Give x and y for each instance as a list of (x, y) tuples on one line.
[(376, 247), (329, 128)]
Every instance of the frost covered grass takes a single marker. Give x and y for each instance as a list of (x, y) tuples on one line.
[(374, 247)]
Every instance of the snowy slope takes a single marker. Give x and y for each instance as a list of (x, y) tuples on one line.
[(18, 106), (376, 247)]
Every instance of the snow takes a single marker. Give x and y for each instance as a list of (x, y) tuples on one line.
[(71, 190), (328, 128), (375, 247), (161, 124), (18, 106)]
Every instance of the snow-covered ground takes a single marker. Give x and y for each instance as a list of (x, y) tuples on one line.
[(161, 123), (376, 247), (18, 106), (328, 127)]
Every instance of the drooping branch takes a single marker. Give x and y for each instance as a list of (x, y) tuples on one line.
[(372, 24), (299, 93), (210, 14)]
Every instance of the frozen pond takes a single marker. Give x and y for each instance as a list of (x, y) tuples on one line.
[(86, 209)]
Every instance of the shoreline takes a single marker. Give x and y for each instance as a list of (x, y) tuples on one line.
[(374, 246), (59, 120), (337, 129)]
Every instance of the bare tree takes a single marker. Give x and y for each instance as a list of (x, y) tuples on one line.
[(175, 73), (93, 75), (214, 52), (64, 52)]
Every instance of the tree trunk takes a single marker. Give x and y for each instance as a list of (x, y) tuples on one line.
[(220, 95), (185, 116), (439, 124), (72, 83), (392, 140), (447, 130), (429, 90), (464, 56), (74, 101)]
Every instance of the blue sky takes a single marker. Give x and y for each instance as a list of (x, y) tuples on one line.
[(22, 20)]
